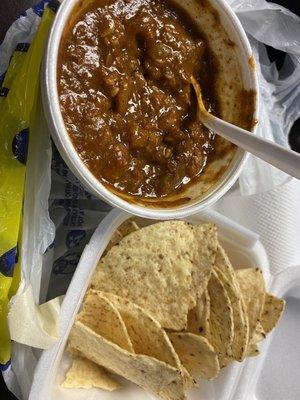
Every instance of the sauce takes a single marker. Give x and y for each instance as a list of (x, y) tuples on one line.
[(125, 95)]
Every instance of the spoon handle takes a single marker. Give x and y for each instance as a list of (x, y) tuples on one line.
[(280, 157)]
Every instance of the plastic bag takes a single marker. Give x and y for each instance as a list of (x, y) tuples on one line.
[(271, 24), (76, 214), (17, 110)]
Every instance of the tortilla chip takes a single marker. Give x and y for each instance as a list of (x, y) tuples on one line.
[(188, 381), (252, 286), (223, 263), (128, 227), (149, 373), (163, 268), (252, 350), (146, 335), (259, 334), (124, 229), (272, 312), (204, 257), (115, 239), (86, 374), (196, 354), (99, 314), (221, 319), (240, 319), (198, 317)]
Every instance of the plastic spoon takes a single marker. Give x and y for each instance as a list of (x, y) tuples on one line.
[(284, 159)]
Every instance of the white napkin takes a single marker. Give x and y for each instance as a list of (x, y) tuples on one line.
[(33, 325), (275, 216)]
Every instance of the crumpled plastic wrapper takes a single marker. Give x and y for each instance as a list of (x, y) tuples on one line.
[(267, 200), (62, 215), (271, 24)]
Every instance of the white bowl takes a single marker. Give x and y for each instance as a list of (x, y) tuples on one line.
[(237, 72)]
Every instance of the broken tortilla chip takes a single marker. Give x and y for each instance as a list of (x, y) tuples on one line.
[(252, 350), (115, 239), (272, 311), (196, 354), (128, 227), (259, 334), (86, 374)]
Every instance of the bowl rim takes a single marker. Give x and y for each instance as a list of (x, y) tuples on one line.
[(66, 148)]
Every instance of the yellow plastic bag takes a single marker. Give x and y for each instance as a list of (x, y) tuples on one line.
[(15, 66), (16, 115)]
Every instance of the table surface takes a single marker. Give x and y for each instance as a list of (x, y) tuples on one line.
[(11, 9)]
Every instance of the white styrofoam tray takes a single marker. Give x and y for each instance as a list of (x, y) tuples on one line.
[(238, 381), (275, 374)]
